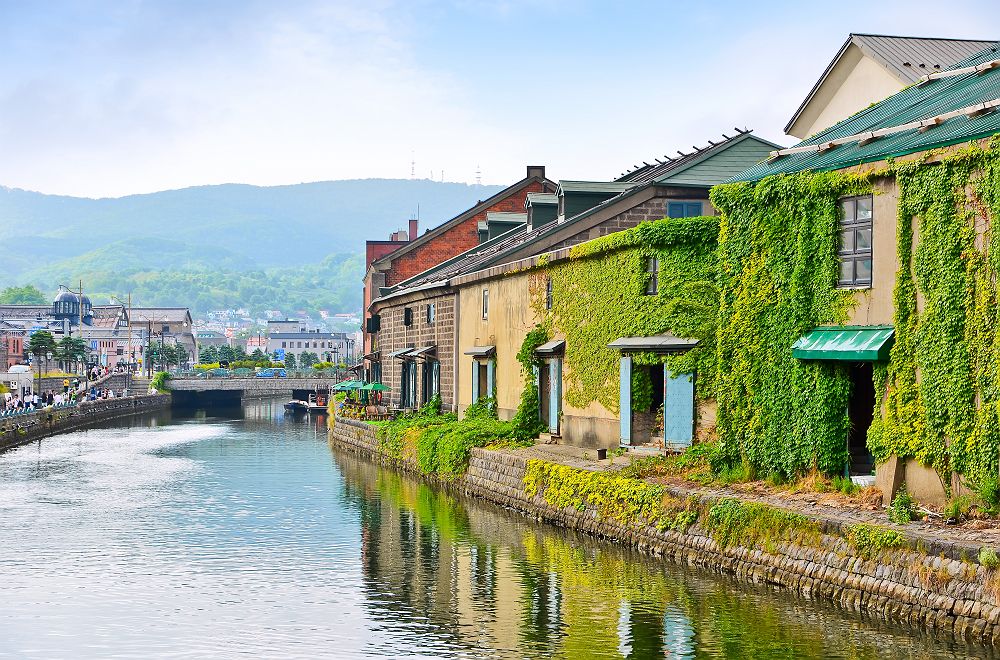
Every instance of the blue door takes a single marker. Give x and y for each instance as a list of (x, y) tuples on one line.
[(555, 394), (625, 401), (475, 381), (678, 409)]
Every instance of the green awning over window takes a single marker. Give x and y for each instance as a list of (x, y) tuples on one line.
[(854, 343)]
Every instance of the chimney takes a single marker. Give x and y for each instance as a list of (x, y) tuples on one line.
[(536, 171), (413, 228)]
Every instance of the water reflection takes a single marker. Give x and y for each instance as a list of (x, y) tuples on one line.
[(482, 579), (222, 533)]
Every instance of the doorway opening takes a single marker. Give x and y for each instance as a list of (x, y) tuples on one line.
[(544, 396), (860, 410), (647, 399)]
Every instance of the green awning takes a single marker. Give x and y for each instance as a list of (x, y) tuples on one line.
[(853, 343)]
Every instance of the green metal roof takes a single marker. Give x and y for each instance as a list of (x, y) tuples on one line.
[(506, 217), (598, 187), (534, 199), (854, 343), (914, 103)]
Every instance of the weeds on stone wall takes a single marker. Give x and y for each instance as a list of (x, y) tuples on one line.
[(732, 522), (626, 501), (869, 541)]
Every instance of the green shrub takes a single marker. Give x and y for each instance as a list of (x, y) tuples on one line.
[(988, 490), (901, 511), (159, 382), (844, 485), (988, 558), (957, 508)]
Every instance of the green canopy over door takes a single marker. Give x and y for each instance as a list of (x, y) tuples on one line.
[(852, 343)]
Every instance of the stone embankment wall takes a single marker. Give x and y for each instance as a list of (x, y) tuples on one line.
[(940, 587), (22, 429)]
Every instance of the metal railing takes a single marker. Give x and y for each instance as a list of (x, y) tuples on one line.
[(319, 374)]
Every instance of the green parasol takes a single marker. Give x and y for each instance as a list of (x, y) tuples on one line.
[(376, 387)]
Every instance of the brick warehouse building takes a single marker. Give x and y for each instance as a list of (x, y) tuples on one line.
[(418, 318), (406, 254)]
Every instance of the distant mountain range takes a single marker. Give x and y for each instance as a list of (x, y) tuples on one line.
[(278, 247)]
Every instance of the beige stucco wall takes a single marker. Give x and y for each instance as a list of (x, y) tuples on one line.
[(874, 305), (854, 83), (510, 319)]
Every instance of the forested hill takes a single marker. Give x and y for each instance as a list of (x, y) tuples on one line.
[(280, 247), (276, 225)]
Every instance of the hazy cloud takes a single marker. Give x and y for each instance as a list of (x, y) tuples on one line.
[(121, 97)]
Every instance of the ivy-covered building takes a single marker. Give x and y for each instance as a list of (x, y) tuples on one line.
[(857, 277), (577, 212), (617, 330)]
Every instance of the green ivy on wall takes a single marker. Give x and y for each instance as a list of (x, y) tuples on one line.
[(598, 295), (949, 261), (777, 269), (777, 273)]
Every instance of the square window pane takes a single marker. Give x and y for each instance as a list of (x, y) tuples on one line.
[(863, 271), (864, 206), (847, 209), (864, 241), (847, 271), (847, 240)]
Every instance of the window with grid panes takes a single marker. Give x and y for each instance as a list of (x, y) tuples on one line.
[(653, 272), (548, 293), (855, 242)]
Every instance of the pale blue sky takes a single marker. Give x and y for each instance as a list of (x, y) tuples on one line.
[(112, 98)]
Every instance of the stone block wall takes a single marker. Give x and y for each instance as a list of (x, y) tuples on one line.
[(937, 586), (22, 429)]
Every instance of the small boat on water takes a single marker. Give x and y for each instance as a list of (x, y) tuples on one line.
[(316, 404)]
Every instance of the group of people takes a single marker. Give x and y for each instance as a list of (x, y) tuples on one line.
[(72, 393), (30, 402)]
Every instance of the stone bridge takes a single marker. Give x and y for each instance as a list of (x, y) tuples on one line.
[(197, 391), (251, 386)]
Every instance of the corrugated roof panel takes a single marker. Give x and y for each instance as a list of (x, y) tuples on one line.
[(894, 52), (912, 104)]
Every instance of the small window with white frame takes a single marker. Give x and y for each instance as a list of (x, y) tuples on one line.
[(431, 313), (486, 304)]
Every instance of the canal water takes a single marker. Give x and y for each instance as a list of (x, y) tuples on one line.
[(246, 534)]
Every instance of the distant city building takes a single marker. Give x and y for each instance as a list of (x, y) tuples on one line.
[(11, 345), (255, 342), (169, 325), (104, 328), (328, 346), (206, 338), (286, 325)]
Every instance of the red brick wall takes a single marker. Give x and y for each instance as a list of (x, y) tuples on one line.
[(455, 241)]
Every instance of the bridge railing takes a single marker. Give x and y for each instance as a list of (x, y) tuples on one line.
[(323, 374)]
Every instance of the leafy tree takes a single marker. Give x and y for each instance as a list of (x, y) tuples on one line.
[(307, 359), (258, 355), (71, 351), (22, 295), (290, 360), (209, 354), (41, 344)]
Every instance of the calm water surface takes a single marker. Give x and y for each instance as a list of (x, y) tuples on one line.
[(247, 535)]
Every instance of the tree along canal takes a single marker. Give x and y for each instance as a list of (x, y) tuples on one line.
[(246, 534)]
